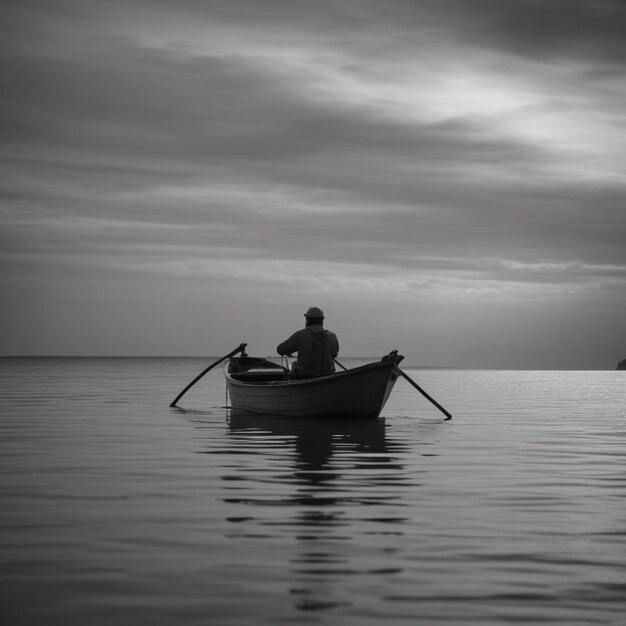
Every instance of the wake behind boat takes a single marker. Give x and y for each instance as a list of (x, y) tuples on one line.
[(258, 386)]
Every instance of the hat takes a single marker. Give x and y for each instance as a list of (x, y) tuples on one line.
[(314, 312)]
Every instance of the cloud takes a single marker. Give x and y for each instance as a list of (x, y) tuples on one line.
[(450, 149)]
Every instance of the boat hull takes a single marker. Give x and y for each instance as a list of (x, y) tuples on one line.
[(357, 393)]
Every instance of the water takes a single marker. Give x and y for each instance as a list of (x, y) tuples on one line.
[(118, 509)]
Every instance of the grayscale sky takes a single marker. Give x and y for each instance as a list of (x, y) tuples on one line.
[(444, 177)]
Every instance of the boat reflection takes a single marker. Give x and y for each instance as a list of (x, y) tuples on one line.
[(344, 482), (325, 449)]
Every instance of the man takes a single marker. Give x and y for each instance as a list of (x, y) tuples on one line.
[(315, 346)]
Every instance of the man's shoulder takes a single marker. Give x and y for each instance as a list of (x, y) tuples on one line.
[(330, 335)]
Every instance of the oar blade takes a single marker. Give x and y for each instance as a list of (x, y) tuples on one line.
[(432, 400), (240, 348)]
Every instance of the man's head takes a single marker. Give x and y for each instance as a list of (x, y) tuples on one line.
[(314, 316)]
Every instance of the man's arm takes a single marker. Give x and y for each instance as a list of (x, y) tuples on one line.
[(288, 346)]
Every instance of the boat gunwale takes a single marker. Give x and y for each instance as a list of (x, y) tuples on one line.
[(382, 365)]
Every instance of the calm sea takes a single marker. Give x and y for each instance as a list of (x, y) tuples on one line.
[(116, 509)]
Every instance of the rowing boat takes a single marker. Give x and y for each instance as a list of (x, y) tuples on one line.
[(258, 386)]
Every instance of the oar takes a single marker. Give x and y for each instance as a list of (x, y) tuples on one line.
[(399, 371), (241, 348), (410, 380)]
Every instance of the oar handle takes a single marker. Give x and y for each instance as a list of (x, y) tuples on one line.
[(410, 380), (240, 348)]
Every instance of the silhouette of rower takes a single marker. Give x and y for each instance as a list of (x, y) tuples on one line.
[(316, 347)]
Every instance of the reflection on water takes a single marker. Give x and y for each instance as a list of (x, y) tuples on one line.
[(342, 477), (316, 441)]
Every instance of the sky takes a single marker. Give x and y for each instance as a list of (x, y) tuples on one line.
[(442, 177)]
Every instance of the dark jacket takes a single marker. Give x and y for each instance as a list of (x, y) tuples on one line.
[(316, 350)]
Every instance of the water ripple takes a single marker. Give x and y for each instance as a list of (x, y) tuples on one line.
[(116, 508)]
